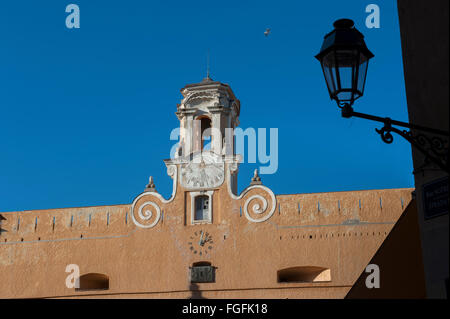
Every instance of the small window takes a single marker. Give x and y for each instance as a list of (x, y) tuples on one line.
[(201, 208), (304, 274), (94, 281)]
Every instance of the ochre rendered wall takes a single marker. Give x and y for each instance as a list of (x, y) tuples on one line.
[(340, 231)]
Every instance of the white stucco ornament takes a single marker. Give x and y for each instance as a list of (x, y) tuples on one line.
[(148, 213), (258, 207)]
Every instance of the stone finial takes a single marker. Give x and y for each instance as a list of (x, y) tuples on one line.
[(256, 180), (150, 186)]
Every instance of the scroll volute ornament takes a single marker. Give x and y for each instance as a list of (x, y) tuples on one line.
[(259, 203), (146, 210)]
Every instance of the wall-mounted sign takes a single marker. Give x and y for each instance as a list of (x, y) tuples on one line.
[(202, 274), (435, 198)]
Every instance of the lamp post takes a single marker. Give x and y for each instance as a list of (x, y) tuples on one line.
[(344, 58)]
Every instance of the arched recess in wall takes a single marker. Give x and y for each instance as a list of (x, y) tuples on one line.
[(304, 274), (94, 281)]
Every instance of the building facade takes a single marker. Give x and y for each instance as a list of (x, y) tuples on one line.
[(425, 49), (207, 240)]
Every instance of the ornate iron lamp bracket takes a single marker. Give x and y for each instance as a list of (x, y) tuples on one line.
[(435, 148)]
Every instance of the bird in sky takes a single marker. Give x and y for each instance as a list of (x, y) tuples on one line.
[(266, 33)]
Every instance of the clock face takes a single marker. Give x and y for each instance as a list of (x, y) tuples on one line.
[(203, 174), (200, 243)]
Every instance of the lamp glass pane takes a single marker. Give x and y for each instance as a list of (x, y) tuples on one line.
[(329, 70), (364, 62), (346, 61)]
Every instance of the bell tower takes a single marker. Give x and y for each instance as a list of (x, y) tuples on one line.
[(205, 175), (209, 110)]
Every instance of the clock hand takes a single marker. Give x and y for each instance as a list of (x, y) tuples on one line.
[(201, 240)]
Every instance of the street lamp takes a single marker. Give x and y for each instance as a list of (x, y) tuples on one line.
[(344, 58)]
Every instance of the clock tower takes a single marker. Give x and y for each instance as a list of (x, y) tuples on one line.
[(204, 166), (208, 114)]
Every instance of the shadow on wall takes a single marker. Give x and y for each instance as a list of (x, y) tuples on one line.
[(400, 264), (195, 292)]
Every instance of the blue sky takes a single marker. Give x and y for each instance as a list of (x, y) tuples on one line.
[(85, 114)]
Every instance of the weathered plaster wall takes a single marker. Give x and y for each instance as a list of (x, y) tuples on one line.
[(305, 230)]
